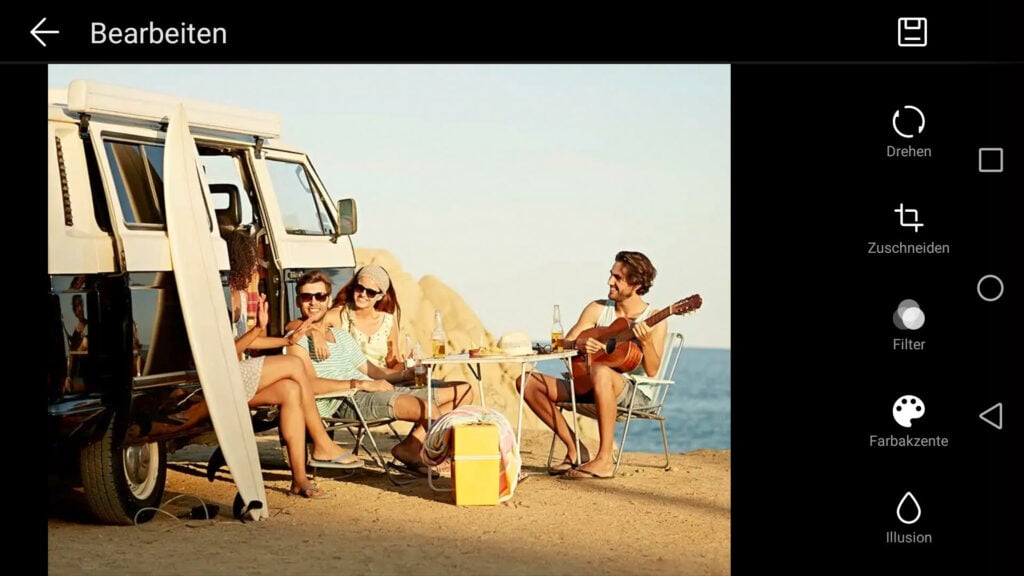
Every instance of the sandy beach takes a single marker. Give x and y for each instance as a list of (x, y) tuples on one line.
[(645, 520)]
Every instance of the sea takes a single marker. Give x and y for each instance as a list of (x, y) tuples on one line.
[(697, 409)]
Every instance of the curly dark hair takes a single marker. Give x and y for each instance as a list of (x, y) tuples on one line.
[(244, 257), (639, 270)]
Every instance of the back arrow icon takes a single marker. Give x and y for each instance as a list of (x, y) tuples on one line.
[(994, 416), (36, 32)]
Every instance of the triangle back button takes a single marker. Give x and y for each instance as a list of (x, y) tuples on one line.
[(993, 416)]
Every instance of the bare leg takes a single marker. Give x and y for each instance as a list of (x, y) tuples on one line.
[(413, 409), (542, 392), (276, 368), (287, 394), (607, 386), (452, 396), (409, 408)]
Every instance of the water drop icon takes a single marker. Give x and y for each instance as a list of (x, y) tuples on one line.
[(908, 510)]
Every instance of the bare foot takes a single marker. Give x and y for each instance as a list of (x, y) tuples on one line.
[(562, 467), (310, 490), (570, 462), (406, 453), (593, 469)]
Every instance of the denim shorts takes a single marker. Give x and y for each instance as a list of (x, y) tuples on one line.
[(380, 405), (622, 399)]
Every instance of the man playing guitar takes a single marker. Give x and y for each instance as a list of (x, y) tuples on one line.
[(631, 277)]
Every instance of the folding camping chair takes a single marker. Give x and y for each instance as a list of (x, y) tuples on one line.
[(328, 404), (646, 406)]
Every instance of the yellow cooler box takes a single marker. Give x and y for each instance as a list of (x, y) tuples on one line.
[(477, 464)]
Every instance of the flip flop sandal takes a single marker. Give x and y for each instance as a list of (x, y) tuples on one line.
[(336, 462), (559, 471), (581, 474), (417, 471), (311, 491)]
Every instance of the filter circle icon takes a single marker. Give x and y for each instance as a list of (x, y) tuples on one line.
[(908, 316)]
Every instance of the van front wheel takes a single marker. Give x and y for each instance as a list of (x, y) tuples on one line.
[(120, 481)]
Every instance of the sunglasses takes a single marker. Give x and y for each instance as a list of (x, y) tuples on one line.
[(367, 291), (307, 297)]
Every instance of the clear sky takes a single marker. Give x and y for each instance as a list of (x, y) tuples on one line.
[(513, 184)]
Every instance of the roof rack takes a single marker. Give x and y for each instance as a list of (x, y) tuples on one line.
[(94, 98)]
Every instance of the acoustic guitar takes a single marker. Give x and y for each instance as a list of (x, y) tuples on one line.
[(622, 351)]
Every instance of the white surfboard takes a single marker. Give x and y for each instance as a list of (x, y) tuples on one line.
[(202, 299)]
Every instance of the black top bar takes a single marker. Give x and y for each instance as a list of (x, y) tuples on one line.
[(977, 31)]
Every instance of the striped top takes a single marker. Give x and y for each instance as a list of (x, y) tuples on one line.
[(344, 360)]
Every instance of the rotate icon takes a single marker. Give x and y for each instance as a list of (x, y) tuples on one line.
[(913, 122)]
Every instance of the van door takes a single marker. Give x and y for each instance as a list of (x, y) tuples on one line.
[(302, 221)]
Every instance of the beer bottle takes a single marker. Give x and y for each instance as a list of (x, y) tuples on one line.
[(419, 370), (557, 334), (438, 337)]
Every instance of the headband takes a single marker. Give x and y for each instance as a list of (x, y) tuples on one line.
[(377, 274)]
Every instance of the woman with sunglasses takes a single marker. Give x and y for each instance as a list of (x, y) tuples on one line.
[(279, 379), (367, 308), (381, 393)]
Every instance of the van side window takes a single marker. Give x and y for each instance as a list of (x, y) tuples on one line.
[(303, 208), (138, 177)]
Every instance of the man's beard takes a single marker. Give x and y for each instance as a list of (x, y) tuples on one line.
[(619, 295)]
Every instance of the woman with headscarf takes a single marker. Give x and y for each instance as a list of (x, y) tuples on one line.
[(367, 308)]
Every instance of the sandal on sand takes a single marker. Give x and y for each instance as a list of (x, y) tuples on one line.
[(417, 470), (581, 474), (311, 491), (558, 470), (337, 462)]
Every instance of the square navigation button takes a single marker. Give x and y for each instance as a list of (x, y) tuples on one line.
[(990, 159)]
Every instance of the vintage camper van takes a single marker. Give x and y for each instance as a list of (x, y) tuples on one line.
[(142, 191)]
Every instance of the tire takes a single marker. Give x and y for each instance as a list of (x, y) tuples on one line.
[(121, 481)]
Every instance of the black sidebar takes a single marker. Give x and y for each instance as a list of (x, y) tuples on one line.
[(877, 277)]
